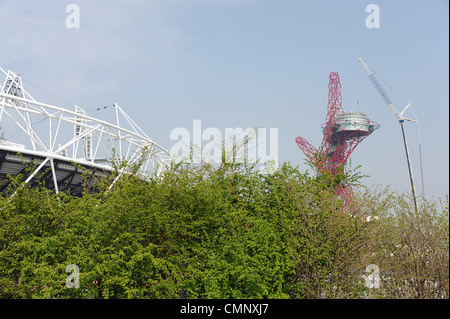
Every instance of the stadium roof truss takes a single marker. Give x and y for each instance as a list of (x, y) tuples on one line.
[(63, 143)]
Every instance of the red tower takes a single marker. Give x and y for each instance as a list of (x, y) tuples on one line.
[(342, 132)]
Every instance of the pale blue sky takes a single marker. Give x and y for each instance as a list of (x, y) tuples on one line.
[(244, 63)]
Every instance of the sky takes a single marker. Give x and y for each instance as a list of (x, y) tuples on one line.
[(246, 63)]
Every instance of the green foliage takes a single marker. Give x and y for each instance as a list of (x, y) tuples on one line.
[(411, 248), (192, 232)]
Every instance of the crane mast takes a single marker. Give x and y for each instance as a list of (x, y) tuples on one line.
[(401, 120)]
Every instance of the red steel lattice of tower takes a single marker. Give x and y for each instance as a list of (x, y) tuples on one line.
[(342, 132)]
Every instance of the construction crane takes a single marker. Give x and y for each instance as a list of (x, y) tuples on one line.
[(401, 120)]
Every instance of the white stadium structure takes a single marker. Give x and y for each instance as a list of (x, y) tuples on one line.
[(67, 147)]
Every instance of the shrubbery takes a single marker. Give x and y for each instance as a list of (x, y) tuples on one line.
[(220, 232)]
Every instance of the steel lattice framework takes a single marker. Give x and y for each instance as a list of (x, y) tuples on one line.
[(65, 143), (342, 132)]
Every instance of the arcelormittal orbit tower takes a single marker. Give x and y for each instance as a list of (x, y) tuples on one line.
[(342, 132)]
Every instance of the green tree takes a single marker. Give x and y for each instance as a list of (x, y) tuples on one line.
[(218, 231)]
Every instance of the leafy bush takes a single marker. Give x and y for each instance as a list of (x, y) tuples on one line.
[(200, 232)]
